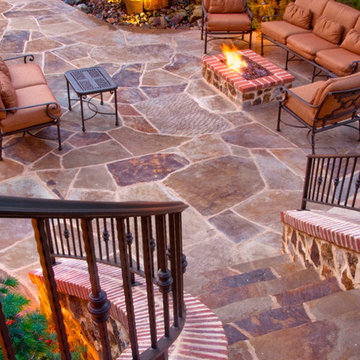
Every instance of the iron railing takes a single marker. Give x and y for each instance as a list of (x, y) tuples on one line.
[(332, 180), (142, 238)]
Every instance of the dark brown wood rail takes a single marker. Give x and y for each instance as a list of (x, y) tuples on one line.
[(143, 238)]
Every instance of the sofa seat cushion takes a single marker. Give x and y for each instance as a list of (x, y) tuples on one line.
[(337, 60), (341, 230), (24, 75), (308, 93), (281, 30), (33, 116), (308, 44), (231, 22)]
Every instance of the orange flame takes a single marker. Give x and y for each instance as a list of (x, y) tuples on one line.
[(233, 58)]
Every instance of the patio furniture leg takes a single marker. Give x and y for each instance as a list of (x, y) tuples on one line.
[(82, 114), (1, 148), (313, 142), (313, 74), (262, 45), (68, 94), (202, 27), (287, 60), (279, 116), (205, 45), (250, 39), (59, 134), (116, 112)]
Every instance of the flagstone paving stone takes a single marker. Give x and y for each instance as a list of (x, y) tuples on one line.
[(180, 139)]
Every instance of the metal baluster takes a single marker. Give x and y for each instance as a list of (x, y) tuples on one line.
[(343, 180), (67, 235), (136, 232), (152, 248), (313, 192), (174, 268), (357, 186), (106, 237), (78, 226), (61, 237), (49, 237), (5, 339), (307, 183), (113, 239), (50, 284), (350, 181), (320, 179), (325, 181), (146, 236), (164, 275), (181, 263), (124, 261), (55, 237), (331, 180), (336, 181), (129, 241), (73, 236), (99, 239), (99, 305)]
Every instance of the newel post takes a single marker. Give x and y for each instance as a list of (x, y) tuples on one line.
[(99, 305)]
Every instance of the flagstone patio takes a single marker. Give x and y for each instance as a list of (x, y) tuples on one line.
[(178, 139)]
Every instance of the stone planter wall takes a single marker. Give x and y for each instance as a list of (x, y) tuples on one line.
[(327, 258)]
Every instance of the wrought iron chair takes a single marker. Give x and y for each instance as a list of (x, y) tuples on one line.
[(223, 19), (32, 105), (323, 105)]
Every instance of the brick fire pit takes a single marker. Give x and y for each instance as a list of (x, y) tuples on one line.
[(253, 91)]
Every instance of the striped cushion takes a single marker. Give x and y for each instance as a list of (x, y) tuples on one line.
[(341, 230)]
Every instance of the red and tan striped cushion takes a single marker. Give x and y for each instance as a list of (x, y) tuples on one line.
[(340, 230)]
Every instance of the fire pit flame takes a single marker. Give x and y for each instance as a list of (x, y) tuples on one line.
[(233, 58)]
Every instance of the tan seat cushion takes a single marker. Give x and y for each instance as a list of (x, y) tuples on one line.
[(7, 92), (30, 117), (342, 14), (315, 6), (352, 41), (228, 22), (337, 60), (280, 30), (328, 29), (227, 6), (308, 44), (306, 92), (24, 75), (4, 68), (297, 16)]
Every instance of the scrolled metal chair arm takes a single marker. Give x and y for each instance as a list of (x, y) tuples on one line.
[(24, 56), (287, 91), (47, 104)]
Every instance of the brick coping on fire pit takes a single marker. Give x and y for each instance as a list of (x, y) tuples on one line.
[(246, 92)]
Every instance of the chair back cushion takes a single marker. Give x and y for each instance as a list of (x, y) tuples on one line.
[(331, 104), (328, 29), (7, 92), (4, 68), (315, 6), (352, 41), (227, 6), (297, 16)]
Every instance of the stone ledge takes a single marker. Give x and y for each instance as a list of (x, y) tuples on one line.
[(330, 249)]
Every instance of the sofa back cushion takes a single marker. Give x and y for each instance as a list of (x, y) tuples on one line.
[(315, 6), (328, 29), (7, 92), (4, 68), (227, 6), (297, 16), (342, 14), (352, 41)]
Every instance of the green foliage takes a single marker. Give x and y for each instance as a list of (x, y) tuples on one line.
[(271, 7), (28, 329), (353, 3)]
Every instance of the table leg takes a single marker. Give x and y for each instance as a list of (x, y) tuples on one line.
[(116, 112), (68, 94), (102, 99), (82, 113)]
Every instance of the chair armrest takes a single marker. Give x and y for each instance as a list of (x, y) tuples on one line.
[(287, 91), (251, 15), (47, 104), (266, 18), (204, 13), (24, 56), (355, 65)]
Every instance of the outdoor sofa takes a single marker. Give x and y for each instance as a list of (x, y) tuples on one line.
[(325, 33), (26, 102)]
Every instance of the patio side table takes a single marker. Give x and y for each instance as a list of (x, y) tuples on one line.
[(94, 80)]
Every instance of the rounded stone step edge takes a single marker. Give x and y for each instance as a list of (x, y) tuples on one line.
[(202, 337)]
